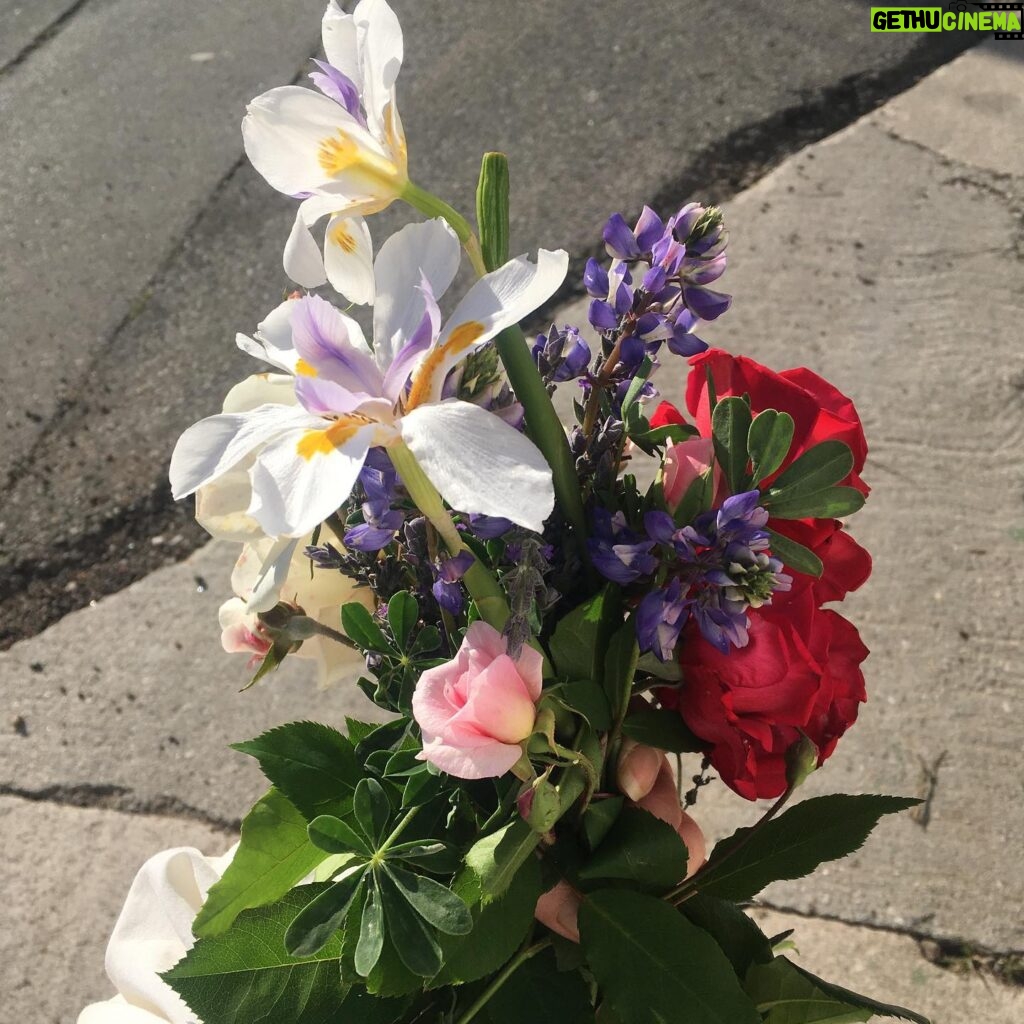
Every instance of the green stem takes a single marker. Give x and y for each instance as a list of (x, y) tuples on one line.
[(426, 202), (399, 829), (510, 968), (484, 588)]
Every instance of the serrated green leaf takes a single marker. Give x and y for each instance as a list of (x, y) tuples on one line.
[(831, 503), (413, 939), (792, 845), (361, 628), (585, 698), (497, 858), (332, 835), (737, 935), (403, 614), (818, 468), (861, 1002), (730, 425), (372, 810), (795, 556), (435, 903), (313, 765), (359, 730), (245, 976), (768, 442), (371, 933), (499, 927), (620, 667), (661, 728), (539, 993), (638, 848), (318, 921), (599, 818), (785, 996), (274, 854), (654, 965), (384, 737)]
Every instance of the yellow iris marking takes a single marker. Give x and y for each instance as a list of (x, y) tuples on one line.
[(338, 153), (437, 360), (303, 369), (343, 238), (323, 442)]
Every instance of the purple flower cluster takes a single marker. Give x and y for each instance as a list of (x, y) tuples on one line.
[(381, 520), (561, 355), (714, 570), (655, 290)]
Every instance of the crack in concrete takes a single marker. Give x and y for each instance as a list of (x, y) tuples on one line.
[(44, 36), (101, 797), (954, 954)]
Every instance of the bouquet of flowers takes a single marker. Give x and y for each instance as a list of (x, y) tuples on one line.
[(565, 633)]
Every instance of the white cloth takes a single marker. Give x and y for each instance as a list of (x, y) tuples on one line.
[(152, 934)]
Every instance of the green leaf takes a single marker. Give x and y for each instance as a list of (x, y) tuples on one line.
[(332, 835), (638, 848), (698, 498), (499, 926), (361, 628), (274, 854), (498, 857), (654, 965), (586, 699), (320, 919), (831, 503), (403, 614), (620, 667), (817, 469), (787, 997), (792, 845), (413, 939), (492, 192), (434, 902), (372, 809), (730, 425), (661, 728), (313, 765), (359, 730), (574, 645), (245, 976), (539, 993), (795, 556), (599, 818), (657, 436), (862, 1003), (736, 934), (371, 934), (768, 442)]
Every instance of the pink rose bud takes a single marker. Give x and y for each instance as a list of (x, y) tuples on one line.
[(683, 463), (559, 909), (637, 769), (476, 710)]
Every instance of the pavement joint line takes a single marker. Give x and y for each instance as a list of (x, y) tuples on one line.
[(120, 799), (1004, 966), (723, 169), (44, 36)]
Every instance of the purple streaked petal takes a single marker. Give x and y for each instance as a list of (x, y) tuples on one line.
[(453, 569), (649, 228), (595, 279), (701, 271), (654, 327), (602, 316), (408, 356), (368, 538), (321, 338), (337, 86), (685, 220), (324, 397), (654, 279), (623, 299)]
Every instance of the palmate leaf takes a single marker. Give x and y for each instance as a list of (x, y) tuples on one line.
[(790, 995), (316, 925), (435, 903), (794, 555), (403, 614), (274, 854), (792, 845), (414, 940), (372, 810), (332, 835), (313, 765), (246, 977), (652, 964)]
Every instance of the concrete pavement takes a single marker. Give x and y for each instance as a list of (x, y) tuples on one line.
[(134, 244)]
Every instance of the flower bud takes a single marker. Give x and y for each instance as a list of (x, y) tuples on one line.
[(683, 463)]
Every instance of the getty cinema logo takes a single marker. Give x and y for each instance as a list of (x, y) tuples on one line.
[(1005, 20)]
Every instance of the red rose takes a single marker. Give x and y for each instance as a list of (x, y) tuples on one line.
[(800, 672), (846, 565)]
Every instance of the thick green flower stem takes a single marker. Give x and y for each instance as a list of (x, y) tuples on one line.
[(482, 586), (432, 206), (510, 968)]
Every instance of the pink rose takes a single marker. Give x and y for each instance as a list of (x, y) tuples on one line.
[(683, 463), (477, 709)]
